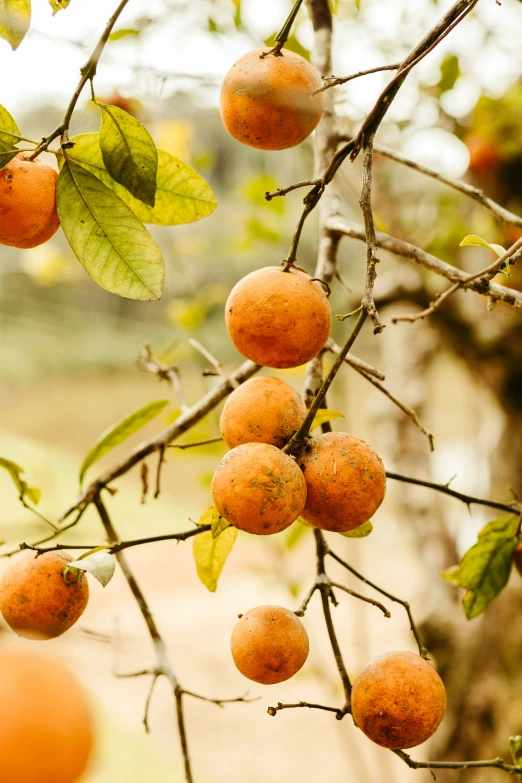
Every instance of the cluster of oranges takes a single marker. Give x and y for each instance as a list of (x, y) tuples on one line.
[(279, 319)]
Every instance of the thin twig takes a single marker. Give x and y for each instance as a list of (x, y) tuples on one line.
[(406, 250), (335, 81), (164, 372), (469, 500), (88, 72), (214, 362), (405, 604), (217, 439), (371, 601), (498, 763), (339, 714), (270, 194), (354, 361), (304, 429), (153, 682), (365, 203)]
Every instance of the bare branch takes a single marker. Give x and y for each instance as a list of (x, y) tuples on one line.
[(497, 763), (365, 203), (469, 500), (339, 714), (335, 81), (214, 362), (406, 250)]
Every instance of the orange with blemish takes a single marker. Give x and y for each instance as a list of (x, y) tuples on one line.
[(345, 481), (269, 644), (258, 488), (398, 700), (269, 102), (28, 215), (278, 319), (262, 410), (35, 599)]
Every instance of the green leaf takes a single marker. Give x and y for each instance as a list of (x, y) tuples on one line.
[(129, 153), (116, 250), (212, 517), (117, 35), (58, 5), (100, 564), (210, 555), (7, 124), (360, 532), (24, 490), (472, 239), (485, 568), (324, 415), (15, 18), (515, 748), (7, 154), (182, 196), (121, 431)]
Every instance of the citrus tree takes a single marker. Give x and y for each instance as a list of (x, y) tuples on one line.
[(280, 472)]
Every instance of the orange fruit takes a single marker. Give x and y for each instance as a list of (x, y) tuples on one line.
[(35, 599), (278, 319), (398, 700), (46, 732), (262, 410), (268, 102), (345, 481), (28, 215), (269, 644), (258, 488)]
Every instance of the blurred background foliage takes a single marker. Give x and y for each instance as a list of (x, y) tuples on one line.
[(68, 351)]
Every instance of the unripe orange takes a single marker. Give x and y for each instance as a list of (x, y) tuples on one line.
[(269, 644), (268, 102), (46, 733), (35, 599), (262, 410), (398, 700), (278, 319), (258, 488), (28, 215), (345, 481)]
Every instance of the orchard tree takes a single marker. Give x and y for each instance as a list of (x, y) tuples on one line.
[(277, 473)]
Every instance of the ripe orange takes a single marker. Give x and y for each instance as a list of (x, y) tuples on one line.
[(398, 700), (269, 644), (345, 481), (46, 731), (262, 410), (28, 215), (35, 599), (278, 319), (258, 488), (268, 102)]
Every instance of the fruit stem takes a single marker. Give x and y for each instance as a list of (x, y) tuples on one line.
[(304, 429), (282, 36)]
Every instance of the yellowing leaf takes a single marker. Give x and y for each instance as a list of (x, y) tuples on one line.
[(212, 517), (24, 490), (129, 154), (472, 239), (112, 245), (117, 35), (324, 415), (15, 18), (58, 5), (210, 555), (182, 196), (359, 532), (119, 432)]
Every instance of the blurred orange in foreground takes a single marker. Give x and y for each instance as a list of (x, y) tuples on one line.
[(46, 731)]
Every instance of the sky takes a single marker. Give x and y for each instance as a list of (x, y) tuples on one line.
[(45, 68)]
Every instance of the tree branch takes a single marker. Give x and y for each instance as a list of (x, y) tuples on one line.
[(406, 250), (445, 489)]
